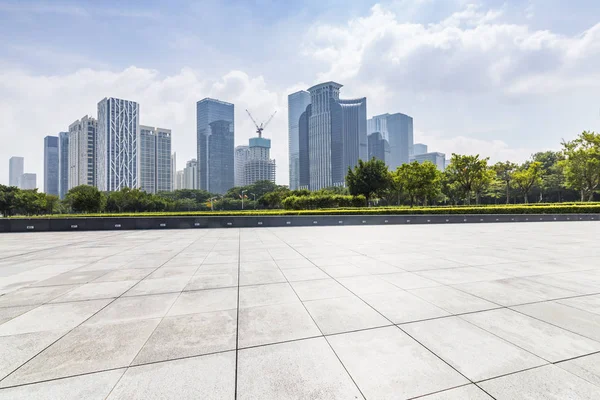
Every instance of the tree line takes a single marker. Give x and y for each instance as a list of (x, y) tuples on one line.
[(571, 174)]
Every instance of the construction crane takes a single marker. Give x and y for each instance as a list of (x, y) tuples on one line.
[(260, 128)]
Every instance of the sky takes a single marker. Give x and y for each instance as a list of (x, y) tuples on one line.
[(502, 79)]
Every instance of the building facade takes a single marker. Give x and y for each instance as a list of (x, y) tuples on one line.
[(190, 175), (215, 138), (28, 181), (63, 164), (239, 161), (51, 165), (379, 148), (259, 166), (332, 137), (397, 129), (118, 145), (179, 183), (174, 170), (16, 168), (419, 148), (82, 152), (155, 159), (297, 103), (439, 159)]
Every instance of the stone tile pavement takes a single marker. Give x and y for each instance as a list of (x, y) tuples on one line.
[(437, 312)]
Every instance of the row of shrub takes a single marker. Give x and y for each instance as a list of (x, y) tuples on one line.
[(315, 202), (510, 209)]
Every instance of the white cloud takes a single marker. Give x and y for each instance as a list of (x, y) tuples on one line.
[(34, 106)]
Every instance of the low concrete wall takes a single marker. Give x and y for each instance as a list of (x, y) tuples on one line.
[(130, 223)]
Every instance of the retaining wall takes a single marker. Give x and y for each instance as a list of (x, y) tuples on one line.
[(191, 222)]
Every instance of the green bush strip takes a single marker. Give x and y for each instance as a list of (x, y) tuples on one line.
[(516, 210)]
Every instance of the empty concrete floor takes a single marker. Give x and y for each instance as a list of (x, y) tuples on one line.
[(501, 311)]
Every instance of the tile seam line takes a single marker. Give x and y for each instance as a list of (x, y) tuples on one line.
[(397, 327), (237, 320), (83, 322), (318, 327)]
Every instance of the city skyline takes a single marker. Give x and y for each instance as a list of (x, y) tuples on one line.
[(466, 95)]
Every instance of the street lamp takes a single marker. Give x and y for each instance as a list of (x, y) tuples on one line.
[(243, 191)]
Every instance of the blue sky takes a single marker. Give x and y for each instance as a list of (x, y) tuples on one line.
[(500, 78)]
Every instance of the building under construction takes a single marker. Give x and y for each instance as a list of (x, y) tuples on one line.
[(253, 162)]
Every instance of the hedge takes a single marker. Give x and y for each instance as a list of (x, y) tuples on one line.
[(511, 209), (316, 202)]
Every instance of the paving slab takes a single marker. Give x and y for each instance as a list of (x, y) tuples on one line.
[(344, 314), (266, 295), (190, 335), (452, 300), (134, 308), (204, 301), (34, 295), (546, 383), (320, 289), (210, 377), (387, 364), (84, 350), (276, 323), (474, 352), (96, 290), (401, 306), (294, 371), (90, 387), (587, 368), (469, 392), (540, 338)]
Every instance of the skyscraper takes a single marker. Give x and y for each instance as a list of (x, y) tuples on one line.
[(332, 136), (190, 175), (63, 164), (82, 152), (15, 170), (297, 103), (51, 165), (215, 135), (379, 147), (398, 130), (419, 148), (255, 163), (155, 159), (439, 159), (174, 171), (240, 158), (28, 181), (118, 145), (179, 180)]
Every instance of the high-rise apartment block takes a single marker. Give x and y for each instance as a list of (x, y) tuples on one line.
[(297, 103), (379, 148), (16, 166), (118, 145), (28, 181), (82, 152), (63, 164), (439, 159), (397, 129), (239, 162), (254, 163), (332, 137), (51, 167), (419, 148), (215, 135), (155, 159), (190, 175)]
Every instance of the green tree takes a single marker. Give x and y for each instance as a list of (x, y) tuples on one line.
[(527, 176), (470, 174), (420, 182), (30, 202), (368, 178), (8, 201), (504, 172), (582, 164), (52, 204), (84, 198)]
